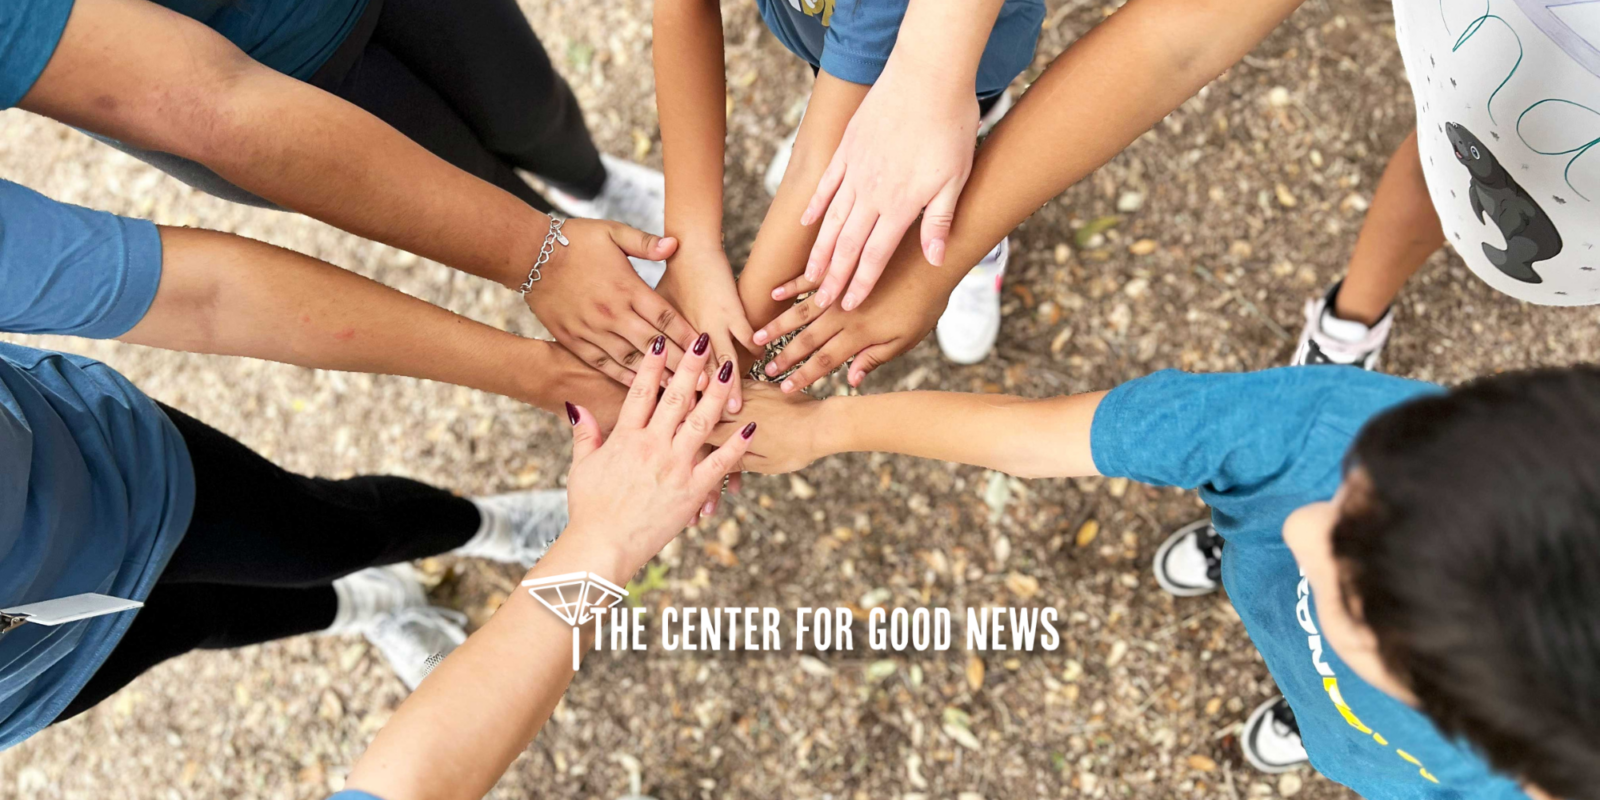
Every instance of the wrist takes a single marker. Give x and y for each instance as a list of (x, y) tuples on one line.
[(525, 251), (583, 549), (833, 431)]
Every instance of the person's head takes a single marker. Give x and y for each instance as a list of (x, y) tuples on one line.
[(1458, 568)]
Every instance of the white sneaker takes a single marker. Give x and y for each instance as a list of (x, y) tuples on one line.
[(1189, 562), (987, 122), (780, 163), (971, 321), (1327, 339), (1271, 738), (389, 606), (633, 195), (414, 640), (517, 528)]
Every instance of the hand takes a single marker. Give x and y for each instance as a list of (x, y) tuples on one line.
[(629, 494), (700, 282), (890, 322), (907, 147), (598, 307), (788, 424)]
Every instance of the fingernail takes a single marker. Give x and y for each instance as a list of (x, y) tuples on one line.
[(787, 386), (778, 293), (760, 337), (850, 301), (659, 345), (936, 252), (726, 374), (572, 414), (749, 431), (701, 344), (822, 298), (707, 509), (771, 369), (733, 405)]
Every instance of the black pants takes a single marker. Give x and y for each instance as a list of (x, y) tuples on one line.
[(468, 80), (262, 552)]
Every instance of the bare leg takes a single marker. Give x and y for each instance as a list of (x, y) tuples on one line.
[(1400, 232)]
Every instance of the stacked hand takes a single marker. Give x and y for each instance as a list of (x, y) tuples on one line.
[(700, 282)]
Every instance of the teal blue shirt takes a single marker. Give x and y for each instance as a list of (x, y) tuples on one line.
[(295, 37), (1258, 446)]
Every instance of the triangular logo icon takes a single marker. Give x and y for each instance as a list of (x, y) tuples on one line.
[(577, 598)]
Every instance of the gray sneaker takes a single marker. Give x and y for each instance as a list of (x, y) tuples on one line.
[(415, 639), (518, 527)]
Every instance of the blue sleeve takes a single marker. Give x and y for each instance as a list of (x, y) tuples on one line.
[(29, 32), (352, 794), (67, 269), (1218, 431), (860, 36)]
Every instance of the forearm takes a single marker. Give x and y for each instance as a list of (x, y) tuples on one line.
[(461, 729), (944, 41), (228, 295), (691, 95), (1096, 98), (781, 246), (185, 90), (1018, 436)]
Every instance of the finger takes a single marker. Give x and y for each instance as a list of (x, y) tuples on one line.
[(937, 219), (725, 459), (706, 413), (724, 353), (800, 346), (826, 360), (826, 188), (641, 399), (663, 317), (746, 338), (639, 244), (874, 258), (793, 319), (870, 359), (828, 234), (794, 288), (639, 334), (735, 482), (586, 436), (810, 341), (679, 397), (846, 253), (597, 358)]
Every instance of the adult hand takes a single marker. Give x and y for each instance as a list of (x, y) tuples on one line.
[(700, 283), (908, 147), (893, 320), (630, 493), (788, 424), (595, 305)]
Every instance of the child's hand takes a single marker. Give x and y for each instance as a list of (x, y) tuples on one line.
[(907, 147), (595, 305), (893, 320), (699, 282), (788, 425)]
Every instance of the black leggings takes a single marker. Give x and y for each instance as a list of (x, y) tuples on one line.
[(262, 552), (467, 80)]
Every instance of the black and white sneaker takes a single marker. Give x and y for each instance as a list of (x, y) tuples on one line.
[(1328, 339), (1271, 738), (1189, 562)]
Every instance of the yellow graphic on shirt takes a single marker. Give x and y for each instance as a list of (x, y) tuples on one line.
[(818, 8), (1330, 684)]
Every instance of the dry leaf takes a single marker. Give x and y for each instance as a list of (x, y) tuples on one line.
[(721, 554), (1202, 763), (974, 673), (1023, 586), (1143, 247), (1087, 532)]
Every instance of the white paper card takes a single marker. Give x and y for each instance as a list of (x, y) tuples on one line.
[(71, 609)]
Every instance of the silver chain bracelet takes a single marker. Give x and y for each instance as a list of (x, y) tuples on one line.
[(545, 251)]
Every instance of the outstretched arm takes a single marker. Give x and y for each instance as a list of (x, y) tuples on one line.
[(143, 74), (1095, 99), (228, 295)]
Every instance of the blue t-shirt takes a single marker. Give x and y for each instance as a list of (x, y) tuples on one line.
[(96, 486), (851, 40), (1258, 446), (295, 37)]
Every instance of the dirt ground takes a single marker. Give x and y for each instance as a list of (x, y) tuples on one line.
[(1250, 197)]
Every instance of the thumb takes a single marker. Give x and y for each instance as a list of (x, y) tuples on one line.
[(868, 360), (586, 436), (639, 244), (937, 219)]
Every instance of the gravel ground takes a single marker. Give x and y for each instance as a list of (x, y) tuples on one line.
[(1232, 212)]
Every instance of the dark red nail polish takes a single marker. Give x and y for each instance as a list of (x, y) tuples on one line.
[(726, 374), (701, 343), (658, 345), (749, 431), (572, 413)]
